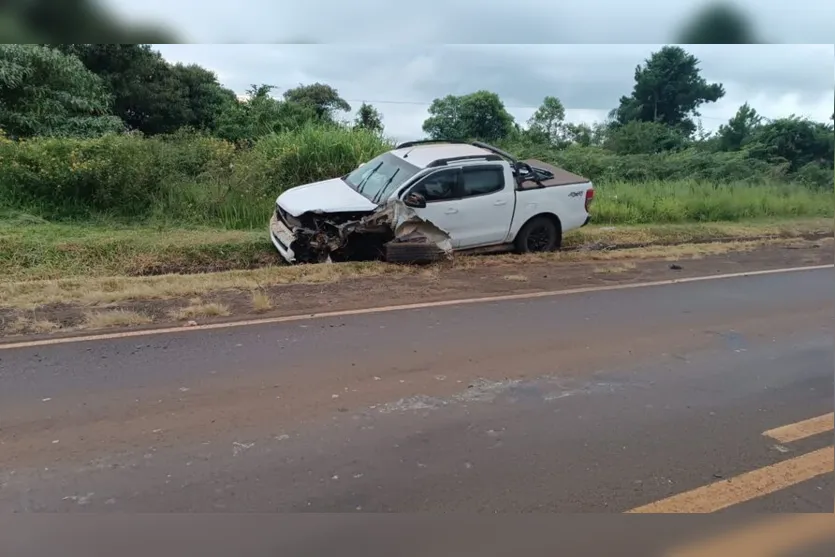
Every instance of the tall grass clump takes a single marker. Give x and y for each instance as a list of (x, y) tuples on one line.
[(656, 201), (242, 194), (118, 175), (190, 178), (313, 153), (600, 165)]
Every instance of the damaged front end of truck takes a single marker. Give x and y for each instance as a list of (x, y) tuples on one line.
[(394, 232)]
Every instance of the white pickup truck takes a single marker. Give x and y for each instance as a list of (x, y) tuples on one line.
[(479, 197)]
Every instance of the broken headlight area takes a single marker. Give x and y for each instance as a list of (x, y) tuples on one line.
[(393, 232)]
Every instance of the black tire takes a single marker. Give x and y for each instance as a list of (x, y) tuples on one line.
[(540, 234), (413, 253)]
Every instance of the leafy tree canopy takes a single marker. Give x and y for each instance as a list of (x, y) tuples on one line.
[(668, 89), (150, 94), (480, 115), (369, 118), (547, 124), (323, 99), (46, 92), (739, 130)]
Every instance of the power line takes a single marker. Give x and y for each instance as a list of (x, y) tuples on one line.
[(516, 107)]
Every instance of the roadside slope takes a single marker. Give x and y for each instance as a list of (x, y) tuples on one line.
[(74, 305)]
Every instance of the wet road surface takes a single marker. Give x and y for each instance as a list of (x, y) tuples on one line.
[(651, 399)]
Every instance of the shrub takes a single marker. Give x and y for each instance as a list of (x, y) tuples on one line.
[(313, 153), (121, 175), (188, 177)]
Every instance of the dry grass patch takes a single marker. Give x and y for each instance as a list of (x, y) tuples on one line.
[(695, 232), (197, 309), (108, 290), (114, 318), (31, 325), (261, 301), (682, 251)]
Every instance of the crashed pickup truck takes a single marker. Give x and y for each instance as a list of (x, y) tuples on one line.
[(425, 200)]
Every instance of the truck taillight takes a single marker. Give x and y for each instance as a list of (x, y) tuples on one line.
[(589, 198)]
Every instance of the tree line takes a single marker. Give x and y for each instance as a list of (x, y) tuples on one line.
[(88, 90)]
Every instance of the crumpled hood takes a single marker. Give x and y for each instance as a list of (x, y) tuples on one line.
[(328, 196)]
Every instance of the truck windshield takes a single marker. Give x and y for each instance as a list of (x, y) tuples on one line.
[(381, 176)]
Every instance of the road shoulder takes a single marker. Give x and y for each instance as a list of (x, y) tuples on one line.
[(475, 277)]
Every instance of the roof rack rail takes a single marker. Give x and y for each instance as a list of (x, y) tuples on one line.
[(495, 150), (408, 144), (444, 162)]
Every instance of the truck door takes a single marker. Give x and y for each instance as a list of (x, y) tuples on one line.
[(442, 191), (485, 210)]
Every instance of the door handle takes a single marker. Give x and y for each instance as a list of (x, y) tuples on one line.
[(499, 203), (451, 211)]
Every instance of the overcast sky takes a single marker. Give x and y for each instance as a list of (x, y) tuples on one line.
[(468, 21), (401, 81)]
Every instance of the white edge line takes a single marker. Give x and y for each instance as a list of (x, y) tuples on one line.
[(385, 309)]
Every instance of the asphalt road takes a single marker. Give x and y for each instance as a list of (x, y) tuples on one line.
[(598, 402)]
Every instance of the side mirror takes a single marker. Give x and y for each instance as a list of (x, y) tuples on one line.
[(415, 200)]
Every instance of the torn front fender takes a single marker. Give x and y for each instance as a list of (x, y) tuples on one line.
[(408, 227), (395, 223)]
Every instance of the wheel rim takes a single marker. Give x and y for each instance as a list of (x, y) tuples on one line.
[(539, 239)]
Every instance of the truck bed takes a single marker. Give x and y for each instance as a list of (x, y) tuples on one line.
[(559, 177)]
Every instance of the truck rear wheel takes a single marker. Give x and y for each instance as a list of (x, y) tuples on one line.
[(539, 234)]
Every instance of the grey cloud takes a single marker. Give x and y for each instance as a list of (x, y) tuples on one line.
[(583, 76), (469, 21), (590, 78)]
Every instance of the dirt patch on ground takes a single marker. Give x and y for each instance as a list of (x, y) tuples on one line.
[(466, 278)]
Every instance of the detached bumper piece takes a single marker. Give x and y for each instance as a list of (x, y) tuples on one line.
[(414, 249)]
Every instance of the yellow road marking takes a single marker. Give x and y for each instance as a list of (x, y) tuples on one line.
[(801, 430), (748, 486), (766, 538), (384, 309)]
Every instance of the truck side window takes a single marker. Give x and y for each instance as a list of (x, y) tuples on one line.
[(440, 186), (483, 180)]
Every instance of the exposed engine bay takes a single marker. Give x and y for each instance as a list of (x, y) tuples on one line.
[(394, 227)]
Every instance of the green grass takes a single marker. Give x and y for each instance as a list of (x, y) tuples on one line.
[(38, 250), (694, 201), (53, 251), (193, 180)]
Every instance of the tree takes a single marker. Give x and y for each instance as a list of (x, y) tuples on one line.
[(150, 94), (46, 92), (644, 138), (480, 115), (795, 140), (586, 135), (369, 118), (204, 97), (668, 89), (548, 123), (323, 99), (739, 130), (260, 114)]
